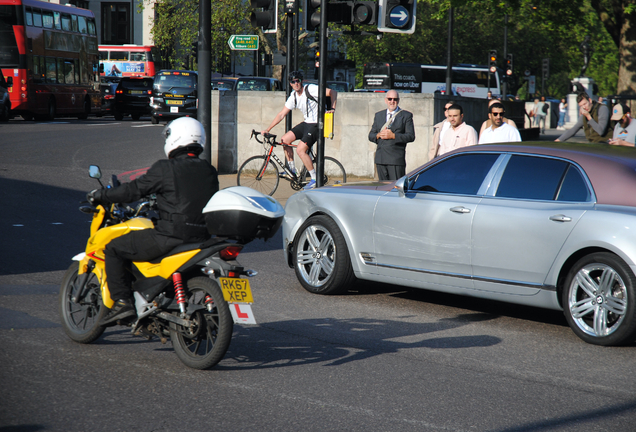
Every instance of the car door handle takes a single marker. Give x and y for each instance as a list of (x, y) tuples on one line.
[(460, 209), (561, 218)]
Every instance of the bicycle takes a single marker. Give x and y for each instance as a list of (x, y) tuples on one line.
[(263, 173)]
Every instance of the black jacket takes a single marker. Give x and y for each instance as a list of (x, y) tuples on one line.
[(183, 186), (393, 152)]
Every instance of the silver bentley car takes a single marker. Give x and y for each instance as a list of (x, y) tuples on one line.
[(550, 225)]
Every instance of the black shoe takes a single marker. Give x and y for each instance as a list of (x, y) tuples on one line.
[(123, 308)]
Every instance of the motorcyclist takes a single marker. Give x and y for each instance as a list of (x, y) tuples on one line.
[(183, 184)]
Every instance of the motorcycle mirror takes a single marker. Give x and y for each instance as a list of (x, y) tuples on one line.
[(94, 172)]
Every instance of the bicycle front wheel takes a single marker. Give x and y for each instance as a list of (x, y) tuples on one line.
[(334, 172), (258, 173)]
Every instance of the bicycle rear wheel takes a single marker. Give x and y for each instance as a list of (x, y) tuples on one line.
[(334, 172), (259, 174)]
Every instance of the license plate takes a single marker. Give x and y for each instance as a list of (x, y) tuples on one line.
[(136, 92), (174, 109), (174, 102), (236, 290)]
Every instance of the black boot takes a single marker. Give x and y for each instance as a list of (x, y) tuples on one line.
[(123, 308)]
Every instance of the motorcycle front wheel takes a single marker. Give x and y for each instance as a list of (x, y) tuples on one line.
[(80, 319), (205, 344)]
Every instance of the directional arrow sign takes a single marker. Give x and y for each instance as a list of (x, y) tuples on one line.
[(399, 16), (243, 42)]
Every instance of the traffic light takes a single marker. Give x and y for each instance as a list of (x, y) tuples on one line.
[(312, 14), (265, 15), (509, 64), (364, 12), (396, 16), (546, 67), (492, 61)]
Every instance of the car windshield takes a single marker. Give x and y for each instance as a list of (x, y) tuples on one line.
[(169, 81), (339, 86), (252, 84)]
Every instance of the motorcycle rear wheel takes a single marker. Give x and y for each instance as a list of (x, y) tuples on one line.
[(81, 320), (203, 346)]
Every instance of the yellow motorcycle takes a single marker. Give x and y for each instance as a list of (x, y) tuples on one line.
[(194, 294)]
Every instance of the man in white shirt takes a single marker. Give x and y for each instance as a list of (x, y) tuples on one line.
[(500, 131), (460, 134), (438, 132), (304, 98), (625, 129)]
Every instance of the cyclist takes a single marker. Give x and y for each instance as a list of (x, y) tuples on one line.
[(304, 98)]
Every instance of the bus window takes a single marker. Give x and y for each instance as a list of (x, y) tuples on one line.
[(74, 19), (119, 55), (29, 17), (91, 27), (60, 71), (57, 21), (37, 68), (137, 56), (69, 71), (66, 22), (81, 21), (47, 19), (37, 18), (103, 55), (51, 72)]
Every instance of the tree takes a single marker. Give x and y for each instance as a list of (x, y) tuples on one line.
[(619, 18)]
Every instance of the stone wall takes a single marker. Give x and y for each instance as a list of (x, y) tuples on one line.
[(235, 114)]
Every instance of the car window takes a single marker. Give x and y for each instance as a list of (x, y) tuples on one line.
[(136, 83), (165, 82), (461, 174), (574, 187), (254, 85), (531, 177)]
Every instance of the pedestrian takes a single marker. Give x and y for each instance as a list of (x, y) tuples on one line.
[(563, 105), (593, 118), (625, 129), (499, 131), (183, 185), (304, 98), (460, 134), (438, 132), (488, 123), (540, 109), (489, 95), (392, 129)]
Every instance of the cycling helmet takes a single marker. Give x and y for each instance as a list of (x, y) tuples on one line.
[(184, 132), (296, 75)]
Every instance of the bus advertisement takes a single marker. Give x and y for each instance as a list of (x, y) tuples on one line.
[(128, 60), (50, 50), (468, 80)]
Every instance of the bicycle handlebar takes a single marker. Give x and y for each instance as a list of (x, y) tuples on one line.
[(271, 138)]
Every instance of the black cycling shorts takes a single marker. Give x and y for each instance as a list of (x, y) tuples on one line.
[(306, 132)]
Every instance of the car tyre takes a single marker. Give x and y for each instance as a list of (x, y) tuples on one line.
[(322, 261), (135, 116), (599, 300), (118, 116)]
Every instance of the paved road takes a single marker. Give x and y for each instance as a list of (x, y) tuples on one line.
[(379, 358)]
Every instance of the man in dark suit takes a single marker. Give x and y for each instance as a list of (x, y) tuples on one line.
[(392, 129)]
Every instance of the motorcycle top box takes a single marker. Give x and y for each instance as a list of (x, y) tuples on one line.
[(243, 212)]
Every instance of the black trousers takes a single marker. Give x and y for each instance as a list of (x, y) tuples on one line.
[(390, 172), (144, 245)]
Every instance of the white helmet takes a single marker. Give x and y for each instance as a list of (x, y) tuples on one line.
[(183, 132)]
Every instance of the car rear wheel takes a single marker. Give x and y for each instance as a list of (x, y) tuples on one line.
[(322, 257), (599, 300)]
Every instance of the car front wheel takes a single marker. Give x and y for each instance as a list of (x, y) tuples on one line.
[(322, 264), (599, 300)]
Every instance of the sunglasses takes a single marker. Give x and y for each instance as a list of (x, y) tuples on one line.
[(393, 99), (294, 81), (497, 114)]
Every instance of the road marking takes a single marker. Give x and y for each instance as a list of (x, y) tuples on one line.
[(147, 125)]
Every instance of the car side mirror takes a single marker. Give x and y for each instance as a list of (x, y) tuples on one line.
[(94, 172), (402, 185)]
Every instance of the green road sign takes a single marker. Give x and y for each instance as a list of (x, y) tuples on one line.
[(243, 42)]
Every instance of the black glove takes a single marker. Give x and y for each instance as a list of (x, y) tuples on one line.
[(95, 197)]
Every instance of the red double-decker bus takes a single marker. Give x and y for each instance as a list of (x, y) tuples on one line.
[(128, 60), (51, 52)]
